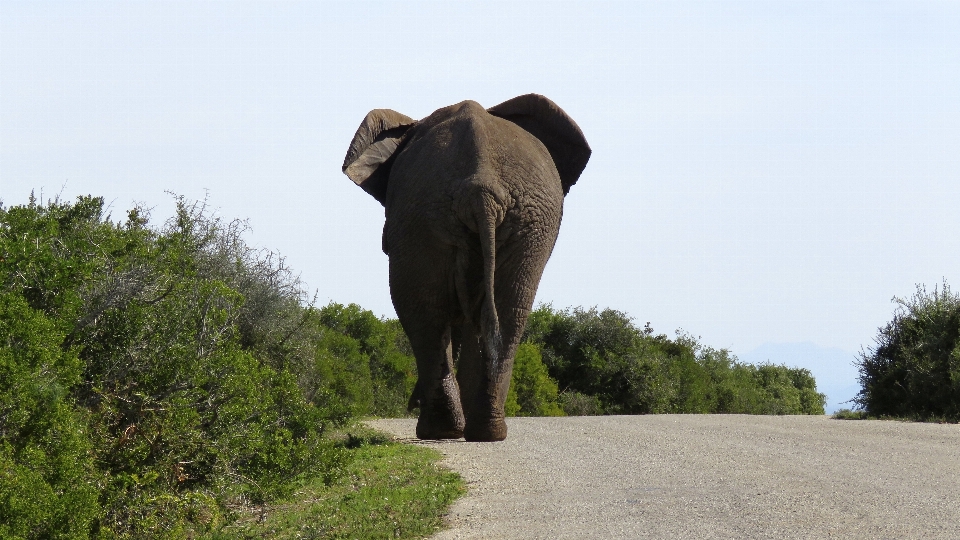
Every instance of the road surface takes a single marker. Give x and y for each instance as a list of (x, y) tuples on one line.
[(704, 476)]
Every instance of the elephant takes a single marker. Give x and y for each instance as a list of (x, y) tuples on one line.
[(473, 200)]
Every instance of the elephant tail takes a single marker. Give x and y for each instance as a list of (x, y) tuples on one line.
[(487, 221)]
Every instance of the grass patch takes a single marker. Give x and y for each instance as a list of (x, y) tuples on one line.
[(387, 490)]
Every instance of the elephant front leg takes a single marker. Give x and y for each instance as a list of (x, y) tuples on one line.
[(436, 393)]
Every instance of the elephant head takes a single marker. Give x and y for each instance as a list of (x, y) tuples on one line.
[(473, 201)]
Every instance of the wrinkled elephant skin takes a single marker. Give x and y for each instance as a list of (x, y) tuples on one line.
[(473, 201)]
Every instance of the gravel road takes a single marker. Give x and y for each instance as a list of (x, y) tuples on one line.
[(705, 476)]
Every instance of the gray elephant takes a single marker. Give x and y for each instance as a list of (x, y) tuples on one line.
[(473, 201)]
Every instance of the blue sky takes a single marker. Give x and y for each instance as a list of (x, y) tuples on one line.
[(765, 175)]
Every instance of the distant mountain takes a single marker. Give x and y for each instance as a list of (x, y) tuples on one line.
[(833, 368)]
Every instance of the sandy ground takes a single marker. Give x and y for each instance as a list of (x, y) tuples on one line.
[(710, 476)]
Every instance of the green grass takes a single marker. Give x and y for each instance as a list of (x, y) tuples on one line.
[(387, 490)]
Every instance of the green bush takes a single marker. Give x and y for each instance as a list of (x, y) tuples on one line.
[(48, 481), (914, 370), (574, 403), (770, 389), (150, 377), (392, 367), (847, 414), (338, 381), (606, 365), (532, 391)]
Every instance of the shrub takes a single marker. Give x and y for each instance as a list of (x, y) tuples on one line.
[(583, 349), (48, 482), (605, 364), (847, 414), (532, 391), (384, 346), (914, 369), (149, 377), (338, 381), (574, 403), (779, 390)]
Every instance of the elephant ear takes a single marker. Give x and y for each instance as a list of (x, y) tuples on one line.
[(546, 121), (375, 142)]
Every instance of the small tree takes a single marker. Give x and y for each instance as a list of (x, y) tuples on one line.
[(914, 370)]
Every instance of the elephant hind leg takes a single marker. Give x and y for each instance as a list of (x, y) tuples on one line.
[(473, 376), (420, 284), (470, 368), (436, 392)]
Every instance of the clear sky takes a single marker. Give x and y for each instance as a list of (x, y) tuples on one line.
[(765, 175)]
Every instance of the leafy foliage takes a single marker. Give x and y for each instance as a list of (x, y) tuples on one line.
[(847, 414), (48, 482), (606, 365), (914, 370), (382, 342), (151, 381), (532, 391)]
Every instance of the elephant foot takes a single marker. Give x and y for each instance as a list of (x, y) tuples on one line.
[(431, 431), (486, 431), (445, 423)]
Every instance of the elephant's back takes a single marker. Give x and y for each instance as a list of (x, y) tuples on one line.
[(463, 144)]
